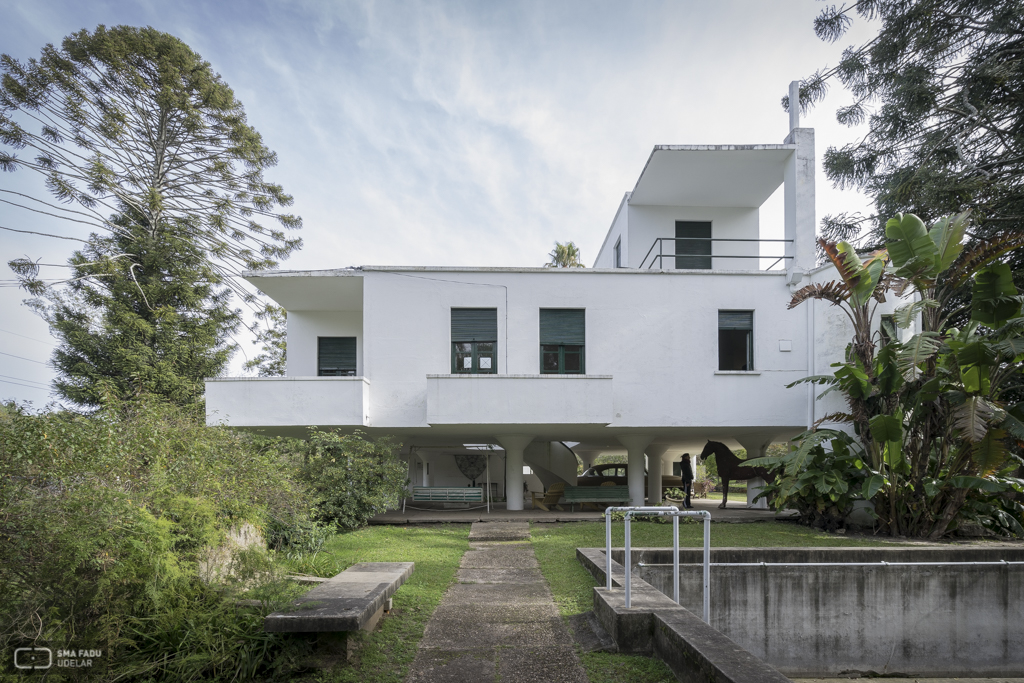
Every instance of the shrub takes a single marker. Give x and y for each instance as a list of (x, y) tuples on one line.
[(104, 521), (353, 478)]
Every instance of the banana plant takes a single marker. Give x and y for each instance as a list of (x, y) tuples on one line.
[(932, 413)]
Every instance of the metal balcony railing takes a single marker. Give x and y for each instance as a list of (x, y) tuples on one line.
[(651, 259)]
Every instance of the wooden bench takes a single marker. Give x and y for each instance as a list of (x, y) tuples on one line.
[(354, 599), (446, 494), (596, 494)]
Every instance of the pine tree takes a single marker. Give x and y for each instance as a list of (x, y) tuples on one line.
[(942, 88), (143, 314), (271, 362)]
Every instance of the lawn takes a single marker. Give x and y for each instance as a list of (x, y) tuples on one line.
[(385, 654)]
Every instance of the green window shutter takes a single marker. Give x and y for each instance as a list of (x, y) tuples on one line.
[(474, 324), (336, 356), (563, 326), (693, 253), (736, 320)]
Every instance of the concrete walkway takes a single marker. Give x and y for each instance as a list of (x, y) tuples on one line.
[(499, 621)]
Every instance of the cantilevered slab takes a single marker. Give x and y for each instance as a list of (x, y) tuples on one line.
[(346, 602)]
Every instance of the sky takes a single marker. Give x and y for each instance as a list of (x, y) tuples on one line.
[(454, 133)]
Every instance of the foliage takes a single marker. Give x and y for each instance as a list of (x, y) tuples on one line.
[(929, 412), (131, 121), (106, 521), (353, 478), (143, 314), (819, 483), (137, 138), (565, 256), (273, 357), (607, 667), (941, 87)]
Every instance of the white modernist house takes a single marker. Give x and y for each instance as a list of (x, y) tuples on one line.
[(680, 333)]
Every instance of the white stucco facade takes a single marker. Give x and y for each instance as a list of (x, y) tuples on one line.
[(652, 381)]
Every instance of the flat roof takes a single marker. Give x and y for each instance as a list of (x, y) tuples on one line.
[(711, 175)]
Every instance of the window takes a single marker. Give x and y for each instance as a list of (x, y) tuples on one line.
[(474, 341), (693, 245), (336, 356), (887, 329), (617, 252), (735, 340), (562, 339)]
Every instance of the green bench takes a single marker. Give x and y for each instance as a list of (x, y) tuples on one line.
[(446, 494), (595, 494)]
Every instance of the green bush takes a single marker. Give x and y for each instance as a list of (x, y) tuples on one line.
[(104, 521), (353, 478)]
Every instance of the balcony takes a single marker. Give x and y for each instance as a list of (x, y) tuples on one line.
[(288, 401), (519, 399), (701, 253)]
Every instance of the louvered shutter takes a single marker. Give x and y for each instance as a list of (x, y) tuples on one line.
[(698, 251), (563, 326), (474, 324), (736, 320), (336, 356)]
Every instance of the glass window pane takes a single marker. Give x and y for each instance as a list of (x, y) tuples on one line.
[(485, 347), (549, 361), (734, 349), (463, 358), (573, 359)]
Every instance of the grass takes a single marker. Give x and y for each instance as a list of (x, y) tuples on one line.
[(605, 667), (385, 654)]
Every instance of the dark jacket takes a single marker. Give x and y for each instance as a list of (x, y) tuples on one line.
[(687, 471)]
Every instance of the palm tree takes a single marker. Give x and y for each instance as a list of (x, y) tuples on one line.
[(565, 256)]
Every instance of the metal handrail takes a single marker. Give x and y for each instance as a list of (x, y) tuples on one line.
[(659, 242), (659, 511)]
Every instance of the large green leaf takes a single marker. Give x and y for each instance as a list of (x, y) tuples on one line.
[(862, 277), (871, 486), (980, 483), (911, 249), (994, 297), (972, 418), (916, 352), (989, 454), (948, 235), (886, 428), (854, 381), (904, 315), (979, 352)]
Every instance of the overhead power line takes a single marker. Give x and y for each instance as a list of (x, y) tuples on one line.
[(22, 358), (16, 334)]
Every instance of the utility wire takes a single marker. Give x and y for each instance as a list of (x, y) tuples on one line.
[(22, 358), (26, 337), (30, 381), (27, 386)]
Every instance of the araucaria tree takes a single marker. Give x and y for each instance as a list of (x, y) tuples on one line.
[(941, 87), (141, 142)]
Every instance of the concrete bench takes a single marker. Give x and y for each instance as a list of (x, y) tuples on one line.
[(354, 599), (446, 494), (595, 494)]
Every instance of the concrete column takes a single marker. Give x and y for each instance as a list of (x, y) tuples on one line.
[(635, 445), (799, 204), (654, 471), (755, 449), (514, 445)]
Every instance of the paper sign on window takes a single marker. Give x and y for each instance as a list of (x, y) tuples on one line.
[(467, 363), (485, 363)]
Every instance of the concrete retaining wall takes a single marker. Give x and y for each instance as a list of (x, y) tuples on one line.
[(942, 620)]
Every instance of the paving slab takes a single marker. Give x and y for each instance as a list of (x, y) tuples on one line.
[(500, 531), (497, 622)]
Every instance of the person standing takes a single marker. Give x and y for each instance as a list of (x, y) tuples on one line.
[(686, 470)]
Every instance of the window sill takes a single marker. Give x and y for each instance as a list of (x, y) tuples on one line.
[(737, 372)]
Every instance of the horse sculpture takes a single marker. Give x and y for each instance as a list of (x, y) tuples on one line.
[(731, 468)]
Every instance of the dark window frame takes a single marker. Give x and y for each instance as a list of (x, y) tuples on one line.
[(475, 350), (729, 332), (693, 254), (345, 371), (884, 337), (563, 336), (560, 350)]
